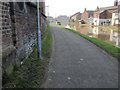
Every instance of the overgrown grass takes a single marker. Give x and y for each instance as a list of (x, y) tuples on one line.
[(115, 51), (31, 73), (47, 43)]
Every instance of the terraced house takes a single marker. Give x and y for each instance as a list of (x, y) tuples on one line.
[(18, 30), (87, 16), (103, 16)]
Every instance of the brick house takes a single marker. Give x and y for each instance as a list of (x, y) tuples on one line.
[(87, 16), (103, 16), (18, 30), (75, 17)]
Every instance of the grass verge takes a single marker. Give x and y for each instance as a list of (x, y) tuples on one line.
[(31, 73), (114, 51)]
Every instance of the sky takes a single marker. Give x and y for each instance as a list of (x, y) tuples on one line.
[(70, 7)]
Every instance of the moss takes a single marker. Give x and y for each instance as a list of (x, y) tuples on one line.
[(9, 70)]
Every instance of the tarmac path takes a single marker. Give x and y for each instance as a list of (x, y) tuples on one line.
[(78, 63)]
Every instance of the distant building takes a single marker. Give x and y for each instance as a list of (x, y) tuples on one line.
[(75, 17), (103, 16), (87, 16), (63, 19), (51, 19)]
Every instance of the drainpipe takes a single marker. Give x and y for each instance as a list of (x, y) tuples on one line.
[(39, 32)]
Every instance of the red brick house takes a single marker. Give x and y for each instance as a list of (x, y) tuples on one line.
[(86, 15), (75, 17), (103, 16)]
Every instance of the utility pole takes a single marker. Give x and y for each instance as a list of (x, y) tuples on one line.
[(47, 7), (47, 12), (39, 32)]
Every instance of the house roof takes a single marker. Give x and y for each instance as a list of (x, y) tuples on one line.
[(106, 8), (90, 12), (75, 14), (116, 11), (100, 11)]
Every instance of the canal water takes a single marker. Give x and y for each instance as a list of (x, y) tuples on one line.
[(108, 35)]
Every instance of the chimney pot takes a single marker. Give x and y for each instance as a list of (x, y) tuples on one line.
[(115, 2)]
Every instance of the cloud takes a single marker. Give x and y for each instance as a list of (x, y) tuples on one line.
[(69, 7)]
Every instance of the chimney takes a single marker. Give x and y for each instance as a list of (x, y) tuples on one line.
[(97, 8), (85, 9), (115, 2)]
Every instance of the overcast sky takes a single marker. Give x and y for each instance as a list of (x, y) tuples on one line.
[(70, 7)]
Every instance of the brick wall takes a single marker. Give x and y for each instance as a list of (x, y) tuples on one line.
[(43, 25), (6, 30), (25, 29), (106, 15), (84, 17), (19, 31), (7, 44)]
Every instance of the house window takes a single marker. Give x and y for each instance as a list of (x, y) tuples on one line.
[(116, 14), (73, 20), (101, 23), (116, 21)]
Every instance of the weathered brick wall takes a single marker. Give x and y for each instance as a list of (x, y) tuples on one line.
[(19, 31), (43, 26), (25, 29), (6, 29), (8, 50)]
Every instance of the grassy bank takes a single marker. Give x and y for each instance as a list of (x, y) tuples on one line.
[(115, 51), (31, 73), (47, 43)]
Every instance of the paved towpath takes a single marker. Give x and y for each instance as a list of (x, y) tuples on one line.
[(77, 63)]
